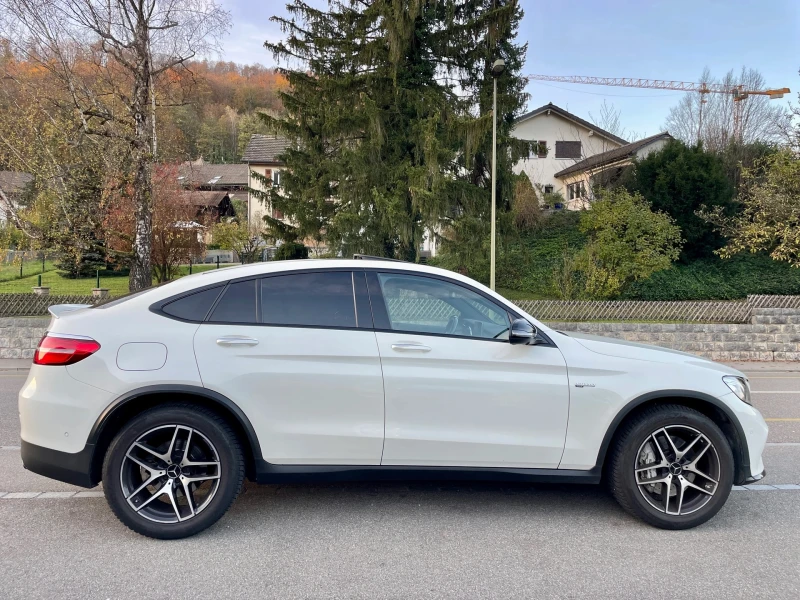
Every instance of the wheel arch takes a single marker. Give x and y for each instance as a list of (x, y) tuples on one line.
[(714, 408), (134, 402)]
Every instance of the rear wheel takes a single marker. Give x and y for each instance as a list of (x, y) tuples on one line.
[(672, 467), (173, 471)]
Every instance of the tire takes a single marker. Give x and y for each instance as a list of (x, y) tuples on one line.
[(665, 488), (173, 495)]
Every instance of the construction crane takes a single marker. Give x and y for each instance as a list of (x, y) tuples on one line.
[(737, 91)]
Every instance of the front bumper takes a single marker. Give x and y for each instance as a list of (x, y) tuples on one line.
[(75, 469)]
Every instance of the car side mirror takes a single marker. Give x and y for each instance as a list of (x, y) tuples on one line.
[(522, 332)]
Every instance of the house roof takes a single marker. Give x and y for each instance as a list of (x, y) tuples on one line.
[(201, 174), (264, 149), (611, 156), (13, 182), (205, 199), (575, 118)]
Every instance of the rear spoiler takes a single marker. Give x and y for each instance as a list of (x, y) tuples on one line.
[(59, 309)]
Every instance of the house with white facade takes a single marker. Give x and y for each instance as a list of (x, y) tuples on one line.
[(563, 139), (581, 178), (261, 156)]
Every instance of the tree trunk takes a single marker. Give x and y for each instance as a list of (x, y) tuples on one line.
[(142, 154)]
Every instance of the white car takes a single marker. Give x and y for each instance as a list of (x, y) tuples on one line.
[(337, 370)]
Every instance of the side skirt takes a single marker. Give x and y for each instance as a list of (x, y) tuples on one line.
[(270, 473)]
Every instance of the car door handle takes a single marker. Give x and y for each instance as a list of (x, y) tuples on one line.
[(410, 347), (237, 340)]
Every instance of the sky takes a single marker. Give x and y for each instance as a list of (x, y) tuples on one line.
[(652, 39)]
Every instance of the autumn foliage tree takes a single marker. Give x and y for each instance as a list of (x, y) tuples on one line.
[(107, 56), (770, 217), (178, 226)]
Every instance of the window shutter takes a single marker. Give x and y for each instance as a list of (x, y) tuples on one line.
[(542, 149), (568, 150)]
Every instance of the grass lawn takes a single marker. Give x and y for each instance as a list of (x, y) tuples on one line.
[(60, 285), (29, 267)]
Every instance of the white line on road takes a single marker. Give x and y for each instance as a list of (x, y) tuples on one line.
[(48, 495), (773, 392), (10, 448)]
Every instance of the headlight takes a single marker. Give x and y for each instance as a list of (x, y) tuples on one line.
[(739, 386)]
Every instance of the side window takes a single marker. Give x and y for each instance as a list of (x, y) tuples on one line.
[(309, 299), (427, 305), (194, 307), (237, 305)]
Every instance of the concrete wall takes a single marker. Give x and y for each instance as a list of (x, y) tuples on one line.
[(773, 335), (551, 128)]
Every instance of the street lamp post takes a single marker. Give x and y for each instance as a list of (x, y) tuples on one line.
[(497, 69)]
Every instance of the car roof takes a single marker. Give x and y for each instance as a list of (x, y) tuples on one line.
[(205, 278)]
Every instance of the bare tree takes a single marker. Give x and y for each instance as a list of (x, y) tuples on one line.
[(609, 119), (709, 117), (109, 56)]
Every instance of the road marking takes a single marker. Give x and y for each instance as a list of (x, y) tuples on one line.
[(782, 420), (10, 448), (765, 487), (48, 495), (783, 443), (773, 392)]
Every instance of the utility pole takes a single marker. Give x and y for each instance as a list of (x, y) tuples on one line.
[(497, 69)]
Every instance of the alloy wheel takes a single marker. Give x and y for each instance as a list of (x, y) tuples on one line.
[(677, 470), (170, 474)]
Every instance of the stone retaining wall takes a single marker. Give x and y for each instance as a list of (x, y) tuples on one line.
[(773, 335), (19, 336)]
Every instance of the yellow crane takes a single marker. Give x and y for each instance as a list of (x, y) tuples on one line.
[(739, 93)]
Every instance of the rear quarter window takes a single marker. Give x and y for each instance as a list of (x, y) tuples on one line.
[(194, 307)]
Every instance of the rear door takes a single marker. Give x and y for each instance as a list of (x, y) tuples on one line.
[(457, 392), (298, 355)]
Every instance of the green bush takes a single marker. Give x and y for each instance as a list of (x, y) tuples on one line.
[(291, 251), (719, 279), (527, 262)]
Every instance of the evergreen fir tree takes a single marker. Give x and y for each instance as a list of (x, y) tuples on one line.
[(390, 120)]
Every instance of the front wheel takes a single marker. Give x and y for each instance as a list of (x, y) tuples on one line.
[(173, 471), (672, 467)]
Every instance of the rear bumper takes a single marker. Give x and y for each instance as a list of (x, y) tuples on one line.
[(75, 469)]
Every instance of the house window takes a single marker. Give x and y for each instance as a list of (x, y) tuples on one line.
[(541, 149), (576, 191), (548, 189), (568, 150), (276, 178)]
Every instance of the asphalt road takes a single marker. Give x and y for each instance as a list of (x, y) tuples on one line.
[(411, 540)]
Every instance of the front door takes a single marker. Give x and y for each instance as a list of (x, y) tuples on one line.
[(457, 392), (291, 352)]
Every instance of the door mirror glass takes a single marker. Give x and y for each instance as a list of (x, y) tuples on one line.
[(522, 332)]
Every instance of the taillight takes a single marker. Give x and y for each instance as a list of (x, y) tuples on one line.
[(56, 349)]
